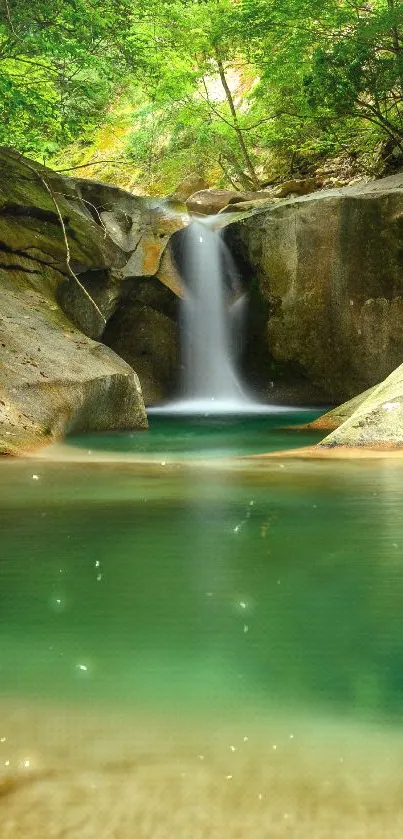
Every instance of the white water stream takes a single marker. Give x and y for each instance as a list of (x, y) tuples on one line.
[(209, 370), (211, 329)]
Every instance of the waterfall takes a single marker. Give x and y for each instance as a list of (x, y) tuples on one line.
[(211, 328), (209, 377)]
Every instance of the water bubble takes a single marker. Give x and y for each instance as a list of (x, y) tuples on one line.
[(57, 603)]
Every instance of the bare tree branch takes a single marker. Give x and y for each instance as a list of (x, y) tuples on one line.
[(50, 192), (95, 163)]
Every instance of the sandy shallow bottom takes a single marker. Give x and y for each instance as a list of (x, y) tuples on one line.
[(62, 453), (86, 775)]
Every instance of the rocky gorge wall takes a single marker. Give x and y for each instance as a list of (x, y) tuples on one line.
[(89, 296), (72, 257), (329, 270)]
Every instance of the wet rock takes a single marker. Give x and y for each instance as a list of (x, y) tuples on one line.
[(103, 287), (140, 226), (53, 377)]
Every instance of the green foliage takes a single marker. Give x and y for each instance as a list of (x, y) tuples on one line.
[(241, 91)]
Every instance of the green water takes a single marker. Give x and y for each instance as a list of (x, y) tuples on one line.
[(273, 585), (184, 437)]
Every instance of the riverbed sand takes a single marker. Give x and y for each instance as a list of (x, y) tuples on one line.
[(80, 774)]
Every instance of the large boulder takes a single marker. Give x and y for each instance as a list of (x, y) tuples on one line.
[(377, 421), (53, 378), (296, 186), (53, 253), (329, 270), (211, 201), (114, 240), (191, 184)]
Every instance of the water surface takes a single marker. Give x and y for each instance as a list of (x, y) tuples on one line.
[(201, 651), (187, 437)]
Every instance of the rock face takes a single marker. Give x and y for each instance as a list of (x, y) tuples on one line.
[(29, 221), (211, 201), (329, 269), (297, 186), (141, 311), (54, 377), (377, 421), (140, 226), (145, 333)]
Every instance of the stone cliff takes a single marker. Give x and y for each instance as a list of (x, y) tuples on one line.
[(72, 256), (328, 269)]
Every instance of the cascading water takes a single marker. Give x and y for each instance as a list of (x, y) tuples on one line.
[(211, 328), (210, 376)]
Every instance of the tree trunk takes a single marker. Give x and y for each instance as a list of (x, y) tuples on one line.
[(242, 145)]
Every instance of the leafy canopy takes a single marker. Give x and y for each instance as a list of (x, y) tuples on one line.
[(240, 90)]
